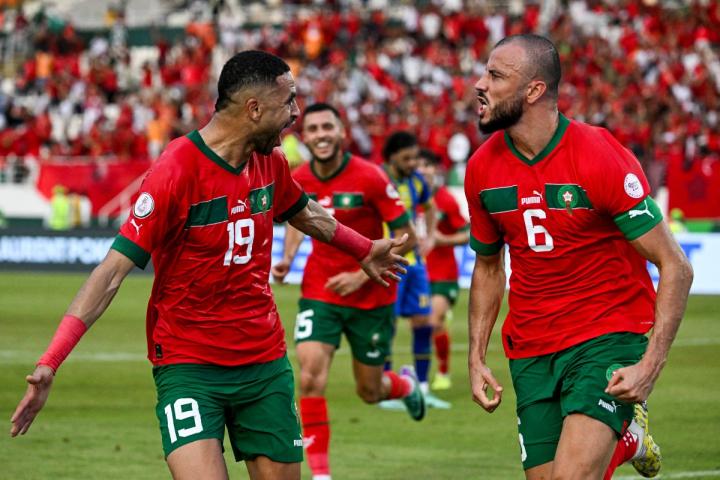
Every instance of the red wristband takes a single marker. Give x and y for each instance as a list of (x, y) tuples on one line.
[(351, 242), (67, 335)]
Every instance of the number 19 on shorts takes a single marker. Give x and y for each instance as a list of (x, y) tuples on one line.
[(182, 409)]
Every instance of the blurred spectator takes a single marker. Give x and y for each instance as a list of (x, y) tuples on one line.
[(648, 71)]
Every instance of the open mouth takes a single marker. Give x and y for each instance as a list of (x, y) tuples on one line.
[(482, 106)]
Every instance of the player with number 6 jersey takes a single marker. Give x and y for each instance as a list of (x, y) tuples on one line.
[(583, 193), (574, 208)]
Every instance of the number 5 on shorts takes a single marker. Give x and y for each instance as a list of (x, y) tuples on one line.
[(304, 324), (182, 414)]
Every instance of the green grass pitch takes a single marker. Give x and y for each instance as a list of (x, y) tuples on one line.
[(100, 421)]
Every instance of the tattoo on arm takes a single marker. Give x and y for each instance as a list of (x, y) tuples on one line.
[(313, 220)]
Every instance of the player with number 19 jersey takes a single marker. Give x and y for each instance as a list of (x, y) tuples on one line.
[(567, 216), (361, 196), (209, 227)]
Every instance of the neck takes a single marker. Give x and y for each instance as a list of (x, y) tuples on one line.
[(534, 130), (328, 167), (231, 142)]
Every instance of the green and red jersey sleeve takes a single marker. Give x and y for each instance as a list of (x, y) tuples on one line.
[(622, 191), (485, 236), (157, 214)]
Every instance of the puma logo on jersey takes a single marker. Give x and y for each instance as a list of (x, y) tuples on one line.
[(241, 207), (373, 354), (137, 227), (637, 213), (532, 200)]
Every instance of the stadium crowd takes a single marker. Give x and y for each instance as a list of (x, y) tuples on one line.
[(648, 71)]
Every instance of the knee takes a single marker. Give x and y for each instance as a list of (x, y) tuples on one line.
[(368, 394), (312, 384)]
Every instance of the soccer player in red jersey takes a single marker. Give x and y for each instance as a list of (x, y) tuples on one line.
[(452, 230), (336, 295), (574, 209), (205, 214)]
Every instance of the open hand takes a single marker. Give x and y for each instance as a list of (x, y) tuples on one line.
[(36, 395), (382, 262)]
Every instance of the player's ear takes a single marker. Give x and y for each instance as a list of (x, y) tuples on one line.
[(253, 108), (535, 91)]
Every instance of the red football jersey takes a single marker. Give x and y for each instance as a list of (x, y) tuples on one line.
[(441, 263), (361, 196), (209, 228), (567, 216)]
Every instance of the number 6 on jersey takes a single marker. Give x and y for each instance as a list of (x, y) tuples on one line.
[(235, 236), (533, 230)]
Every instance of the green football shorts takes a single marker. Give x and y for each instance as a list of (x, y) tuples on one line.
[(449, 290), (369, 332), (256, 403), (550, 387)]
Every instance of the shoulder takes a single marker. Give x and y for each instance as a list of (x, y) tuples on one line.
[(489, 149), (592, 138), (360, 166), (599, 149), (177, 163), (302, 171)]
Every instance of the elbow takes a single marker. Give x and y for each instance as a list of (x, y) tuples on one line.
[(687, 272)]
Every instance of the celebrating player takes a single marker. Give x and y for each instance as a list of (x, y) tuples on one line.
[(205, 213), (573, 206), (401, 155), (336, 295), (452, 230)]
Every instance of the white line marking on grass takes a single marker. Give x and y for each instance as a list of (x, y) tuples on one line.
[(27, 356), (696, 474)]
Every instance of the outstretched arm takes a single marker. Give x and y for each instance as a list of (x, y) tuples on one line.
[(634, 383), (89, 303), (375, 257), (486, 294)]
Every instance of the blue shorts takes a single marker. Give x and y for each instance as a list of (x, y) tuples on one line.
[(413, 296)]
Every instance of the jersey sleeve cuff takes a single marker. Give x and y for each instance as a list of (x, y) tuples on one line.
[(131, 250), (485, 248), (294, 209), (640, 219), (399, 222)]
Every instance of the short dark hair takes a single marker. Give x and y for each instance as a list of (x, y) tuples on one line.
[(431, 157), (397, 141), (245, 69), (321, 107), (542, 56)]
